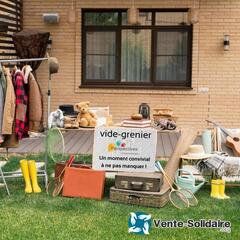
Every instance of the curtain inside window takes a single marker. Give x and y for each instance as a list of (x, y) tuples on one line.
[(100, 55), (136, 56), (171, 56)]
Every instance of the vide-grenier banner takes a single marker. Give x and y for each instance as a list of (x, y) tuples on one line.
[(124, 149)]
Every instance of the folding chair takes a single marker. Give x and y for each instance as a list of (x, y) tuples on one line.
[(4, 184)]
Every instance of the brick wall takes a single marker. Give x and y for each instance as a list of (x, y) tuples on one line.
[(211, 67)]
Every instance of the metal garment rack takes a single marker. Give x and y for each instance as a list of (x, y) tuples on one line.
[(40, 173)]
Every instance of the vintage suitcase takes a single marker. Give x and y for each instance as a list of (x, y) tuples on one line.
[(148, 182), (148, 199), (83, 183)]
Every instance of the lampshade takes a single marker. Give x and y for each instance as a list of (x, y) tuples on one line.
[(132, 15), (193, 14)]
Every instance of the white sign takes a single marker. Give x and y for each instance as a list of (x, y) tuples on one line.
[(124, 149)]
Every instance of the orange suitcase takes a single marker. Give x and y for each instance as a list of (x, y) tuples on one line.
[(83, 183)]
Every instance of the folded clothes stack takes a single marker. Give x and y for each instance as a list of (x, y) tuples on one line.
[(143, 123)]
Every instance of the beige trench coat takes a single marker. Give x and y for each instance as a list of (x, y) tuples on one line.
[(9, 105), (35, 105)]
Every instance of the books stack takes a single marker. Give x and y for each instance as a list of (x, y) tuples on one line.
[(144, 123)]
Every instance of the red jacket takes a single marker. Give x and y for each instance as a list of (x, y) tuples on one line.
[(21, 128)]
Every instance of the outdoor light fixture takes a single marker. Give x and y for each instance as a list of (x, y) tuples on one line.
[(51, 18), (133, 14), (72, 13), (193, 14), (226, 42)]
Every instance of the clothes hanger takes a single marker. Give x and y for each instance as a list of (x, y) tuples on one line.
[(15, 68)]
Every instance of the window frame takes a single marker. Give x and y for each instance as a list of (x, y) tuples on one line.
[(153, 84)]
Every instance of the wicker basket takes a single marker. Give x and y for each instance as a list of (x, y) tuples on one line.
[(163, 111), (159, 117), (148, 199)]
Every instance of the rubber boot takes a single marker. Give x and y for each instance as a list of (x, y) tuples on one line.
[(33, 174), (215, 189), (26, 176), (222, 189)]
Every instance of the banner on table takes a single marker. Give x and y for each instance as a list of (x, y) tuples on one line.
[(124, 149)]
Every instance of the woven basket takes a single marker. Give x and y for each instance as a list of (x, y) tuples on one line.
[(148, 199), (163, 111), (159, 117)]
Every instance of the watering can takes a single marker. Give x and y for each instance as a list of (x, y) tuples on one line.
[(187, 181)]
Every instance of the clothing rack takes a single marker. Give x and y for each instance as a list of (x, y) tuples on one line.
[(40, 173), (34, 60), (23, 60)]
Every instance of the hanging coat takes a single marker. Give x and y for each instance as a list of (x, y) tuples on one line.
[(35, 105), (1, 111), (21, 128), (3, 82), (2, 100), (9, 106)]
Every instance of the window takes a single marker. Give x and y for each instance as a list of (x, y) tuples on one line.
[(154, 53)]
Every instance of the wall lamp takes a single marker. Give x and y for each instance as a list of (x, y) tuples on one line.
[(51, 18), (226, 42)]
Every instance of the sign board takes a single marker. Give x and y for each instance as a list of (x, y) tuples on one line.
[(124, 149)]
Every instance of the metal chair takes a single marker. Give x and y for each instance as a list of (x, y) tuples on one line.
[(4, 181)]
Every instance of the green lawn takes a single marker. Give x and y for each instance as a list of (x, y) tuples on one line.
[(38, 216)]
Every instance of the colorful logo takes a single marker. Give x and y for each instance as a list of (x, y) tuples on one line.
[(139, 223), (113, 146)]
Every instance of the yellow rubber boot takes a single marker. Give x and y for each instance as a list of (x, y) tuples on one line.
[(33, 174), (215, 189), (222, 189), (26, 176)]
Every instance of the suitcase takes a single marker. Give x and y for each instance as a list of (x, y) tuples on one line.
[(147, 199), (148, 182), (61, 165), (83, 183)]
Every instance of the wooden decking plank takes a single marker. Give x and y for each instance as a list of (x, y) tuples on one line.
[(41, 146), (29, 147), (90, 145), (68, 136), (84, 147), (163, 144), (69, 145), (36, 145), (173, 139), (170, 141), (177, 136), (160, 148), (22, 144), (166, 144), (80, 139)]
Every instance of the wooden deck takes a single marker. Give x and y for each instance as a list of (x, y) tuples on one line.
[(81, 142)]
